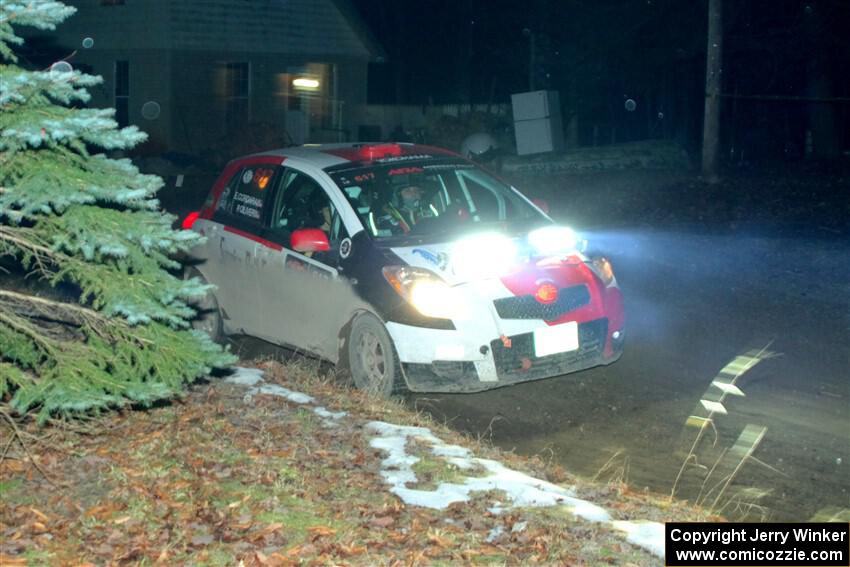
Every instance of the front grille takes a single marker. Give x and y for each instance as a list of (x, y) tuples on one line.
[(510, 362), (527, 307)]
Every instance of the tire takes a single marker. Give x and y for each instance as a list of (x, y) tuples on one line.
[(208, 316), (372, 359)]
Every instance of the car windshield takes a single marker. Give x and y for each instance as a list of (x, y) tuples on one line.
[(431, 197)]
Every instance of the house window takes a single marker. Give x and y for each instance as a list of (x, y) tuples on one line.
[(122, 93), (237, 91)]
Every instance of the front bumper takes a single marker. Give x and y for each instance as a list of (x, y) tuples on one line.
[(455, 361)]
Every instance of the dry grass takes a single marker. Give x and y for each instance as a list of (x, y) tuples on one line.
[(214, 480)]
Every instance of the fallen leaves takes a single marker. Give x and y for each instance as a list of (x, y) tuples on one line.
[(317, 532), (212, 480), (11, 560), (382, 522)]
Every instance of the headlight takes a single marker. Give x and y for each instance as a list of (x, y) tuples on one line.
[(482, 256), (426, 292), (551, 240), (603, 269)]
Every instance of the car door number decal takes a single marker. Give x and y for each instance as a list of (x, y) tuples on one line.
[(345, 248)]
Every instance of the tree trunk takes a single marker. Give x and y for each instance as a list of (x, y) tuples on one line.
[(713, 68)]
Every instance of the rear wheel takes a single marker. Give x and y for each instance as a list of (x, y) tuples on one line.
[(208, 317), (372, 358)]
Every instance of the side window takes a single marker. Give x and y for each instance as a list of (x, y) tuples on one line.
[(338, 231), (249, 193), (302, 203)]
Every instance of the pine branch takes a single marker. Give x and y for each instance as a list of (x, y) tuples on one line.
[(74, 314), (41, 255), (18, 325), (70, 215)]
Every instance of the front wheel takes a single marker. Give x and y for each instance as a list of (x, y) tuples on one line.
[(372, 358)]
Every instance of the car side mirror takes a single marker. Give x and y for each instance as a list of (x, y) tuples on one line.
[(541, 204), (309, 240)]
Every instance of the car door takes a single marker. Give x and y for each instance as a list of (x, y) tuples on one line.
[(305, 302), (238, 241)]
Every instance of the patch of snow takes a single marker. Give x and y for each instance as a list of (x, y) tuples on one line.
[(648, 535), (396, 468), (245, 376), (321, 411), (390, 429), (329, 418), (494, 534), (275, 390), (519, 488), (254, 377), (452, 451), (445, 494)]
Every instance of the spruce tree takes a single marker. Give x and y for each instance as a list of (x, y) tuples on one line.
[(71, 216)]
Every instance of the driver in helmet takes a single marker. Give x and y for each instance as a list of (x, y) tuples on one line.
[(409, 207)]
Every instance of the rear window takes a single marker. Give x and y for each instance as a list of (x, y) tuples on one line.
[(249, 195), (430, 198), (245, 195)]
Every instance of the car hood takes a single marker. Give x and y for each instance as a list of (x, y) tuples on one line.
[(434, 257)]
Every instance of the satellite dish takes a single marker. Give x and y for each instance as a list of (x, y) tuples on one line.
[(478, 145), (61, 67)]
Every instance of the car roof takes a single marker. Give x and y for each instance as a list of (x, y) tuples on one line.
[(357, 153)]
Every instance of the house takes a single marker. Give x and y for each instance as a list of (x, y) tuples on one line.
[(193, 72)]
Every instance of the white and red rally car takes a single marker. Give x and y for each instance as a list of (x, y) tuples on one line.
[(408, 263)]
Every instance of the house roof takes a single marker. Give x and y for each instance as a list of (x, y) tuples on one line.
[(353, 16), (292, 27)]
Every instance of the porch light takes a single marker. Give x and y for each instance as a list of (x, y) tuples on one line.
[(305, 83)]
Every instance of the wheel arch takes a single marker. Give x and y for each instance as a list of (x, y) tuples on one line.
[(192, 271)]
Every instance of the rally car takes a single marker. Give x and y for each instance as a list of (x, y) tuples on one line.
[(408, 264)]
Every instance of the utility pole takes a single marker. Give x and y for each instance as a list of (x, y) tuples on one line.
[(713, 84), (532, 63)]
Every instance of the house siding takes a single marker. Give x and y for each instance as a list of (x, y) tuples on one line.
[(146, 68), (195, 77), (177, 49)]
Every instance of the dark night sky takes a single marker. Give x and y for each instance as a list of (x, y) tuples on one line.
[(598, 53), (432, 43)]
